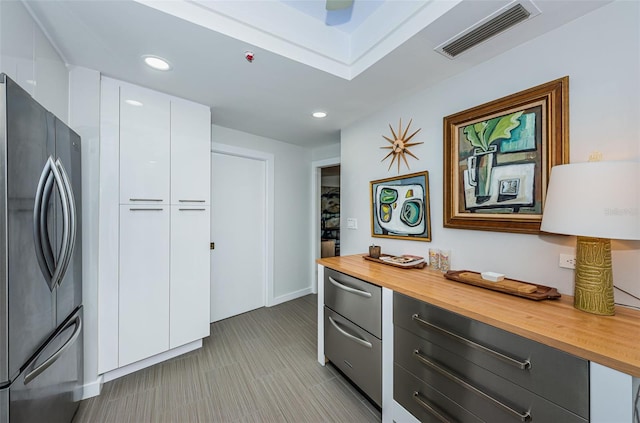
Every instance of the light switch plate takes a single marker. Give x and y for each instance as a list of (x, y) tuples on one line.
[(352, 223)]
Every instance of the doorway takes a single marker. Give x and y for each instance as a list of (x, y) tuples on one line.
[(241, 277), (316, 239), (330, 211)]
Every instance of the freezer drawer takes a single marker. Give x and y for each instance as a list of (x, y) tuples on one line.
[(425, 402), (49, 387), (476, 389), (552, 374), (357, 353), (357, 300)]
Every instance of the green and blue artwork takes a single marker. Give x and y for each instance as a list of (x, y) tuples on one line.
[(498, 158), (400, 207)]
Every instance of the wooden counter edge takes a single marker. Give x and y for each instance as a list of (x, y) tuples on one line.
[(612, 341)]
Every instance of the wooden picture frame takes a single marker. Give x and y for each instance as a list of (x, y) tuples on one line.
[(400, 207), (498, 157)]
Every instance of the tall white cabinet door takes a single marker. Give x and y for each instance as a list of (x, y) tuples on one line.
[(144, 146), (190, 283), (190, 149), (144, 282)]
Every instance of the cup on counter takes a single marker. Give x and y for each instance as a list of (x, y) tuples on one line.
[(374, 251), (445, 260), (434, 259)]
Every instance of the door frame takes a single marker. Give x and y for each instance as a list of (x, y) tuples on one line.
[(316, 187), (268, 160)]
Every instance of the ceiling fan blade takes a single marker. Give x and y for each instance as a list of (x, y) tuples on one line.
[(338, 4)]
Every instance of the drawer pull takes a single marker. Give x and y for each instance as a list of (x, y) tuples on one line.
[(349, 289), (523, 417), (432, 409), (191, 209), (348, 335), (145, 199), (522, 365), (144, 209)]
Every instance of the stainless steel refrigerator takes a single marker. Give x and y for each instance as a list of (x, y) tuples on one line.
[(40, 262)]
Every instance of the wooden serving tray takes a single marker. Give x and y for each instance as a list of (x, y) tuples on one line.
[(377, 260), (509, 286)]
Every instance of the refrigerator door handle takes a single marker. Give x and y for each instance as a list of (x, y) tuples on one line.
[(53, 272), (44, 224), (71, 220), (43, 254), (34, 373), (58, 273)]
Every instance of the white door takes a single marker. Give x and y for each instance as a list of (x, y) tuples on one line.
[(190, 147), (238, 229), (144, 146), (190, 281), (144, 282)]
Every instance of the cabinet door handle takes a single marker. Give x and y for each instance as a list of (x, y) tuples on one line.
[(522, 365), (192, 209), (145, 209), (523, 417), (191, 201), (145, 199), (349, 289), (348, 335), (431, 408)]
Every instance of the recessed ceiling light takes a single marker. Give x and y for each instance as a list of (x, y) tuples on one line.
[(157, 62), (133, 103), (319, 115)]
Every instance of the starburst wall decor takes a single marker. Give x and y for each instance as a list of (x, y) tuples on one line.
[(400, 145)]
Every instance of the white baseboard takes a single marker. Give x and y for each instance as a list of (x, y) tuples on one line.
[(92, 389), (159, 358), (291, 296)]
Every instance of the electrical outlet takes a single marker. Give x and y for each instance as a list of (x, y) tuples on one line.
[(567, 261), (352, 223)]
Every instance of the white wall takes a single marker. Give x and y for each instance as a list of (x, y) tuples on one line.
[(84, 113), (292, 248), (325, 152), (601, 54), (29, 59)]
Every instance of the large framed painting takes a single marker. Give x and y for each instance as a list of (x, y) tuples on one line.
[(400, 207), (498, 157)]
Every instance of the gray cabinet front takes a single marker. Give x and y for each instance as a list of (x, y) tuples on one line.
[(357, 300), (353, 330), (356, 352), (496, 375)]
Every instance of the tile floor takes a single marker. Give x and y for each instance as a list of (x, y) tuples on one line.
[(257, 367)]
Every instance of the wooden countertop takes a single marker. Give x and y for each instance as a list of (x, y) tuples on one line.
[(613, 341)]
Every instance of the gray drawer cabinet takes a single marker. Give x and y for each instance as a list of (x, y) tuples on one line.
[(355, 299), (425, 402), (493, 374), (353, 330)]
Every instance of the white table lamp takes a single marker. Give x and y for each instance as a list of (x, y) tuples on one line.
[(597, 202)]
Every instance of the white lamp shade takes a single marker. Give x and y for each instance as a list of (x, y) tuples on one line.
[(594, 199)]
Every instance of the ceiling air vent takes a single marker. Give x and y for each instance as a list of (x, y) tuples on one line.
[(487, 28)]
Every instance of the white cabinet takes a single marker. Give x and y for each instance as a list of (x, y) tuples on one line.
[(190, 270), (190, 153), (144, 282), (154, 257), (144, 146)]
